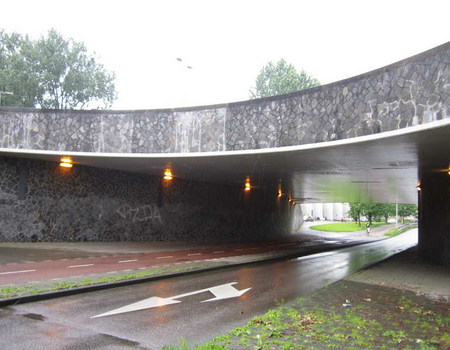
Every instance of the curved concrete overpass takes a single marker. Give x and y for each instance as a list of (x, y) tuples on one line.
[(367, 138), (381, 168)]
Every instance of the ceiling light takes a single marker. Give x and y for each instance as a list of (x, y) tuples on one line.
[(168, 175), (66, 162), (247, 185)]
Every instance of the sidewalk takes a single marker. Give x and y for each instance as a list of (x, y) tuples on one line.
[(375, 234)]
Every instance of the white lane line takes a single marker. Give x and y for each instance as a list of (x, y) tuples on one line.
[(11, 272), (255, 248), (33, 282), (126, 270), (48, 260), (220, 251), (63, 259), (238, 250), (164, 257), (76, 276), (127, 261), (85, 265), (193, 254), (56, 279), (112, 272), (197, 261), (142, 268)]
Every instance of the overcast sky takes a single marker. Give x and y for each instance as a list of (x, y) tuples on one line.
[(228, 42)]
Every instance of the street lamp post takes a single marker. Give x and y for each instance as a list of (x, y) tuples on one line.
[(4, 93)]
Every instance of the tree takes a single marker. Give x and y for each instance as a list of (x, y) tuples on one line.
[(372, 210), (405, 210), (279, 79), (356, 211), (52, 72), (17, 74), (386, 210)]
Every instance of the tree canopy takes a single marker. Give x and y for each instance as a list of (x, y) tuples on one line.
[(52, 72), (281, 78), (378, 210)]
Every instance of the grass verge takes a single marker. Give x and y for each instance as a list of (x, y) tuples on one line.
[(395, 231), (344, 315), (10, 292), (345, 226)]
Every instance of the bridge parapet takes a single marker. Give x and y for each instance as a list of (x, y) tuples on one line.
[(407, 93)]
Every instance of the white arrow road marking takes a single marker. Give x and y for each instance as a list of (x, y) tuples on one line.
[(224, 291)]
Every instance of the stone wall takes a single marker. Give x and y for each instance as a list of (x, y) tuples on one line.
[(411, 92), (39, 201)]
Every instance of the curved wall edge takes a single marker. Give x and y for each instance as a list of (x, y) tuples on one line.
[(410, 92)]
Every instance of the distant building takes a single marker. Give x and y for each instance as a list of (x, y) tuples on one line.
[(326, 211)]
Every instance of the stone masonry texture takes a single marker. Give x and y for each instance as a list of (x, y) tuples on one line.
[(411, 92), (92, 204), (41, 202)]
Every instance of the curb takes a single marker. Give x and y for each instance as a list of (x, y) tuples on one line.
[(86, 289)]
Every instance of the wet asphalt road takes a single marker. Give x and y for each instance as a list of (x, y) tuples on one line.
[(67, 323), (47, 270)]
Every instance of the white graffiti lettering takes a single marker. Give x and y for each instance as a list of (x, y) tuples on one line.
[(140, 214)]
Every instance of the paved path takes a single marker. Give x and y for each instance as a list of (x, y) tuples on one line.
[(38, 263), (406, 271)]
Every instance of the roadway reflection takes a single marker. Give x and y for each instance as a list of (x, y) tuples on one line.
[(193, 318)]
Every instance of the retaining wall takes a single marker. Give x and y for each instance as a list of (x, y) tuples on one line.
[(40, 201)]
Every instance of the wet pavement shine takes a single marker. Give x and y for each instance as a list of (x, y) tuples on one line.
[(76, 322)]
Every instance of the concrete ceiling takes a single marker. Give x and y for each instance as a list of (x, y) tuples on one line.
[(380, 168)]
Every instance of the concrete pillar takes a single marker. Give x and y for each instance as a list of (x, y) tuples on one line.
[(434, 217)]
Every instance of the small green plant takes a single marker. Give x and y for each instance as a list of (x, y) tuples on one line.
[(395, 231)]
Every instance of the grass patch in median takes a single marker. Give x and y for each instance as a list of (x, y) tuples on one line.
[(395, 231), (345, 226), (32, 289)]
